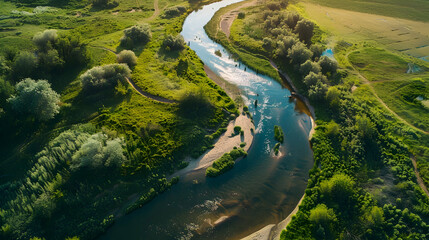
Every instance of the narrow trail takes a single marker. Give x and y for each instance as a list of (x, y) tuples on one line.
[(228, 18), (156, 12), (419, 179), (367, 82), (137, 88)]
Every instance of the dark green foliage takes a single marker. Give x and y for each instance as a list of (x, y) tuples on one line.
[(241, 15), (104, 77), (6, 90), (35, 98), (24, 66), (304, 28), (195, 104), (237, 129), (299, 53), (104, 3), (278, 134), (242, 145), (309, 66), (44, 40), (174, 43), (128, 57), (174, 11), (72, 50), (225, 163), (276, 148), (136, 35), (328, 65)]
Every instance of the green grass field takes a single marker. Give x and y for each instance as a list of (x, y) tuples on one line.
[(414, 9)]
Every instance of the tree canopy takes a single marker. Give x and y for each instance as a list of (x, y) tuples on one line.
[(35, 98), (106, 76)]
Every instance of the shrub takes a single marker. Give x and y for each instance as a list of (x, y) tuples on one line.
[(106, 76), (309, 66), (292, 19), (318, 91), (225, 163), (278, 134), (236, 153), (241, 15), (128, 57), (323, 220), (242, 145), (36, 98), (24, 65), (105, 3), (6, 90), (284, 45), (195, 104), (174, 43), (237, 129), (313, 78), (72, 50), (299, 53), (136, 35), (317, 51), (45, 39), (50, 60), (174, 12), (276, 148), (328, 65), (97, 152)]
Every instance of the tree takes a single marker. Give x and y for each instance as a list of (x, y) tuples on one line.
[(292, 19), (45, 39), (72, 50), (313, 78), (285, 44), (49, 60), (304, 28), (174, 43), (309, 66), (105, 3), (333, 97), (106, 76), (339, 190), (35, 98), (323, 220), (24, 65), (317, 51), (299, 53), (136, 35), (318, 91), (328, 65), (128, 57), (6, 90)]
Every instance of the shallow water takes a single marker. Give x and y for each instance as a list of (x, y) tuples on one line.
[(261, 189), (329, 53)]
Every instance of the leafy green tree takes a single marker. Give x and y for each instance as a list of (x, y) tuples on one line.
[(136, 35), (304, 28), (318, 91), (328, 65), (317, 51), (44, 40), (323, 220), (339, 191), (292, 19), (299, 53), (35, 98), (313, 78), (4, 66), (365, 127), (128, 57), (174, 43), (284, 45), (309, 66), (333, 97), (103, 77), (71, 49), (49, 60), (24, 65)]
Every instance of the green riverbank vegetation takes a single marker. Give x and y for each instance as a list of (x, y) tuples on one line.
[(225, 163), (75, 133), (363, 184)]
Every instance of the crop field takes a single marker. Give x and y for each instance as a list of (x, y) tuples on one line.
[(407, 36)]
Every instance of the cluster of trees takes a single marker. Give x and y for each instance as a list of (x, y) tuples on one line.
[(105, 77), (225, 163), (136, 36)]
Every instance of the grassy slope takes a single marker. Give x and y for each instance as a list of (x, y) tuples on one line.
[(414, 9)]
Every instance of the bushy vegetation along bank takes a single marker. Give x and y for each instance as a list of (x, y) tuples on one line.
[(225, 163), (362, 184), (74, 134)]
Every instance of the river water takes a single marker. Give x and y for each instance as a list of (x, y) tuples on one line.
[(261, 189)]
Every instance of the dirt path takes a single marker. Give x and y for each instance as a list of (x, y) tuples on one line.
[(419, 179), (228, 18), (156, 12), (367, 82)]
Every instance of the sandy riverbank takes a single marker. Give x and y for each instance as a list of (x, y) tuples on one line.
[(225, 143)]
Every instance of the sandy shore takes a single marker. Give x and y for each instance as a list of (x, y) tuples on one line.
[(228, 18), (226, 142)]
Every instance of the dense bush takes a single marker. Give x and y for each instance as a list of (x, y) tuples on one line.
[(174, 11), (136, 35), (225, 163), (104, 77), (98, 152), (299, 53), (173, 43), (278, 134), (194, 104), (128, 57), (309, 66), (35, 98), (6, 90), (105, 3), (24, 65), (328, 65), (304, 28), (44, 40)]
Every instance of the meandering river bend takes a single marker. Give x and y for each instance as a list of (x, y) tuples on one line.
[(261, 189)]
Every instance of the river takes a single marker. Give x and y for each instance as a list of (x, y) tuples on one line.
[(261, 189)]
